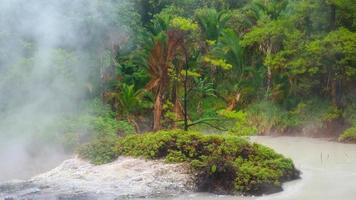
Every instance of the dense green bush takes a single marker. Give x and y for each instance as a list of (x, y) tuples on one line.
[(349, 135), (205, 107), (241, 126), (222, 163), (99, 151), (350, 111), (267, 116)]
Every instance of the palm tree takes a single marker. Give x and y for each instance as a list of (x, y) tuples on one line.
[(271, 8), (160, 59), (127, 101), (212, 22), (229, 48)]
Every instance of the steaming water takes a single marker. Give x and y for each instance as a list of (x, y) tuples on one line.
[(328, 172), (53, 54), (24, 167)]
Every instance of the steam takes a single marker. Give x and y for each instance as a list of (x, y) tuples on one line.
[(51, 55)]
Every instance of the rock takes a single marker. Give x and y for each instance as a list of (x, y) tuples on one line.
[(122, 179)]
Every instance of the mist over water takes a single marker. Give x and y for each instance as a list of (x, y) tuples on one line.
[(51, 54)]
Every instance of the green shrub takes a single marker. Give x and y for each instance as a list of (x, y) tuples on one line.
[(349, 115), (349, 135), (205, 106), (331, 114), (222, 162), (241, 126), (309, 111), (267, 116), (350, 111), (100, 151)]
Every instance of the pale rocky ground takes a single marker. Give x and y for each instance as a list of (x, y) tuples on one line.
[(122, 179)]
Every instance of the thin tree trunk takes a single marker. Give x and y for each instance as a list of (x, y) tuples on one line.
[(334, 82), (333, 91), (157, 112), (186, 127), (269, 79), (332, 25), (131, 120), (269, 71), (234, 102), (336, 92)]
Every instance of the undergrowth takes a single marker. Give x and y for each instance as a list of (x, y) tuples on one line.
[(272, 117), (349, 135)]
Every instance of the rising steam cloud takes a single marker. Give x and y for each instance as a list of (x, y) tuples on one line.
[(49, 53)]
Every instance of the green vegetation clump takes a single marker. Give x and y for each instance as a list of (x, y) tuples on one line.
[(222, 163), (241, 126), (99, 151), (349, 135), (268, 117)]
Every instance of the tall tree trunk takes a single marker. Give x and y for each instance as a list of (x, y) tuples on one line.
[(335, 82), (332, 25), (336, 92), (186, 127), (269, 79), (159, 63), (309, 26), (269, 70), (157, 112), (178, 108)]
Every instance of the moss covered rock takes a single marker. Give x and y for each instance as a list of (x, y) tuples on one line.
[(221, 163)]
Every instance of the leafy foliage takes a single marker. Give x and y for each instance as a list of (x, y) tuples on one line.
[(212, 22), (266, 63), (227, 163), (349, 135), (286, 53), (241, 126), (99, 151)]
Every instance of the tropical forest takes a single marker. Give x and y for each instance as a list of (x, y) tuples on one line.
[(177, 99)]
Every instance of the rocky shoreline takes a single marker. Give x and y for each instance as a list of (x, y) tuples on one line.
[(125, 178)]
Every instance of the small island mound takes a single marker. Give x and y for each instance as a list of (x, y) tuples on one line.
[(223, 164)]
